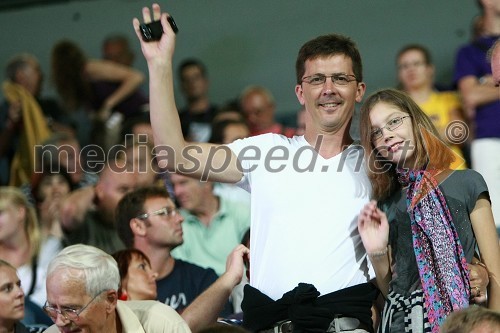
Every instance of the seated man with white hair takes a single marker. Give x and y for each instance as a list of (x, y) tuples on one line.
[(82, 284)]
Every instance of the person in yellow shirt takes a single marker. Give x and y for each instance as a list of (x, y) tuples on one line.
[(416, 77)]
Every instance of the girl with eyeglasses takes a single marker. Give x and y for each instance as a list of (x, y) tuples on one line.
[(421, 230)]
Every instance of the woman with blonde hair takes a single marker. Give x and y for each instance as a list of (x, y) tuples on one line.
[(11, 300), (21, 243)]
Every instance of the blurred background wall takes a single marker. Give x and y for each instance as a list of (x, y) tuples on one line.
[(248, 42)]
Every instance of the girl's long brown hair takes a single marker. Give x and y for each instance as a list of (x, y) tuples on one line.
[(430, 151)]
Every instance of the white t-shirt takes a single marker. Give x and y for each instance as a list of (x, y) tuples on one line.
[(232, 192), (304, 211)]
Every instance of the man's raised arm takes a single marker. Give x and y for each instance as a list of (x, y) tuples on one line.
[(199, 160)]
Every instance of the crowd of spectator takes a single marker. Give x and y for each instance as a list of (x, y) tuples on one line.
[(82, 168)]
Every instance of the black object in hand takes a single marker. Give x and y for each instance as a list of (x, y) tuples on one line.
[(153, 31)]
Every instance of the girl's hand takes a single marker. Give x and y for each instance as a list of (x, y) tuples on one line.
[(373, 228)]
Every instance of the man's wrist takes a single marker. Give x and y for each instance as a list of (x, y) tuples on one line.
[(229, 281)]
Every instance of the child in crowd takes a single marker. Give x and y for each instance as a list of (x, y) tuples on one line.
[(422, 232)]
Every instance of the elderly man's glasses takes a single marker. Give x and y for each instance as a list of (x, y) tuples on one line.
[(66, 313), (165, 211), (338, 79), (391, 126)]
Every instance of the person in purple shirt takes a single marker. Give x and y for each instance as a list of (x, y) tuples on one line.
[(482, 101)]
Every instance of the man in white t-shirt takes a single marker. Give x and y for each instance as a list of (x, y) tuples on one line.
[(306, 191)]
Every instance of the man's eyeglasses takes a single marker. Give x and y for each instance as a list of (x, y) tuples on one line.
[(165, 211), (66, 313), (391, 126), (337, 79)]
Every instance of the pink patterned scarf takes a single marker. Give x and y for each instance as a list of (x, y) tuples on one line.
[(440, 257)]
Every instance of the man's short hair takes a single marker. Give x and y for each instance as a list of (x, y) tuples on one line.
[(132, 205), (131, 121), (327, 46), (18, 62), (127, 55), (465, 320), (98, 270), (48, 153), (192, 62), (416, 47), (255, 89), (118, 38)]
